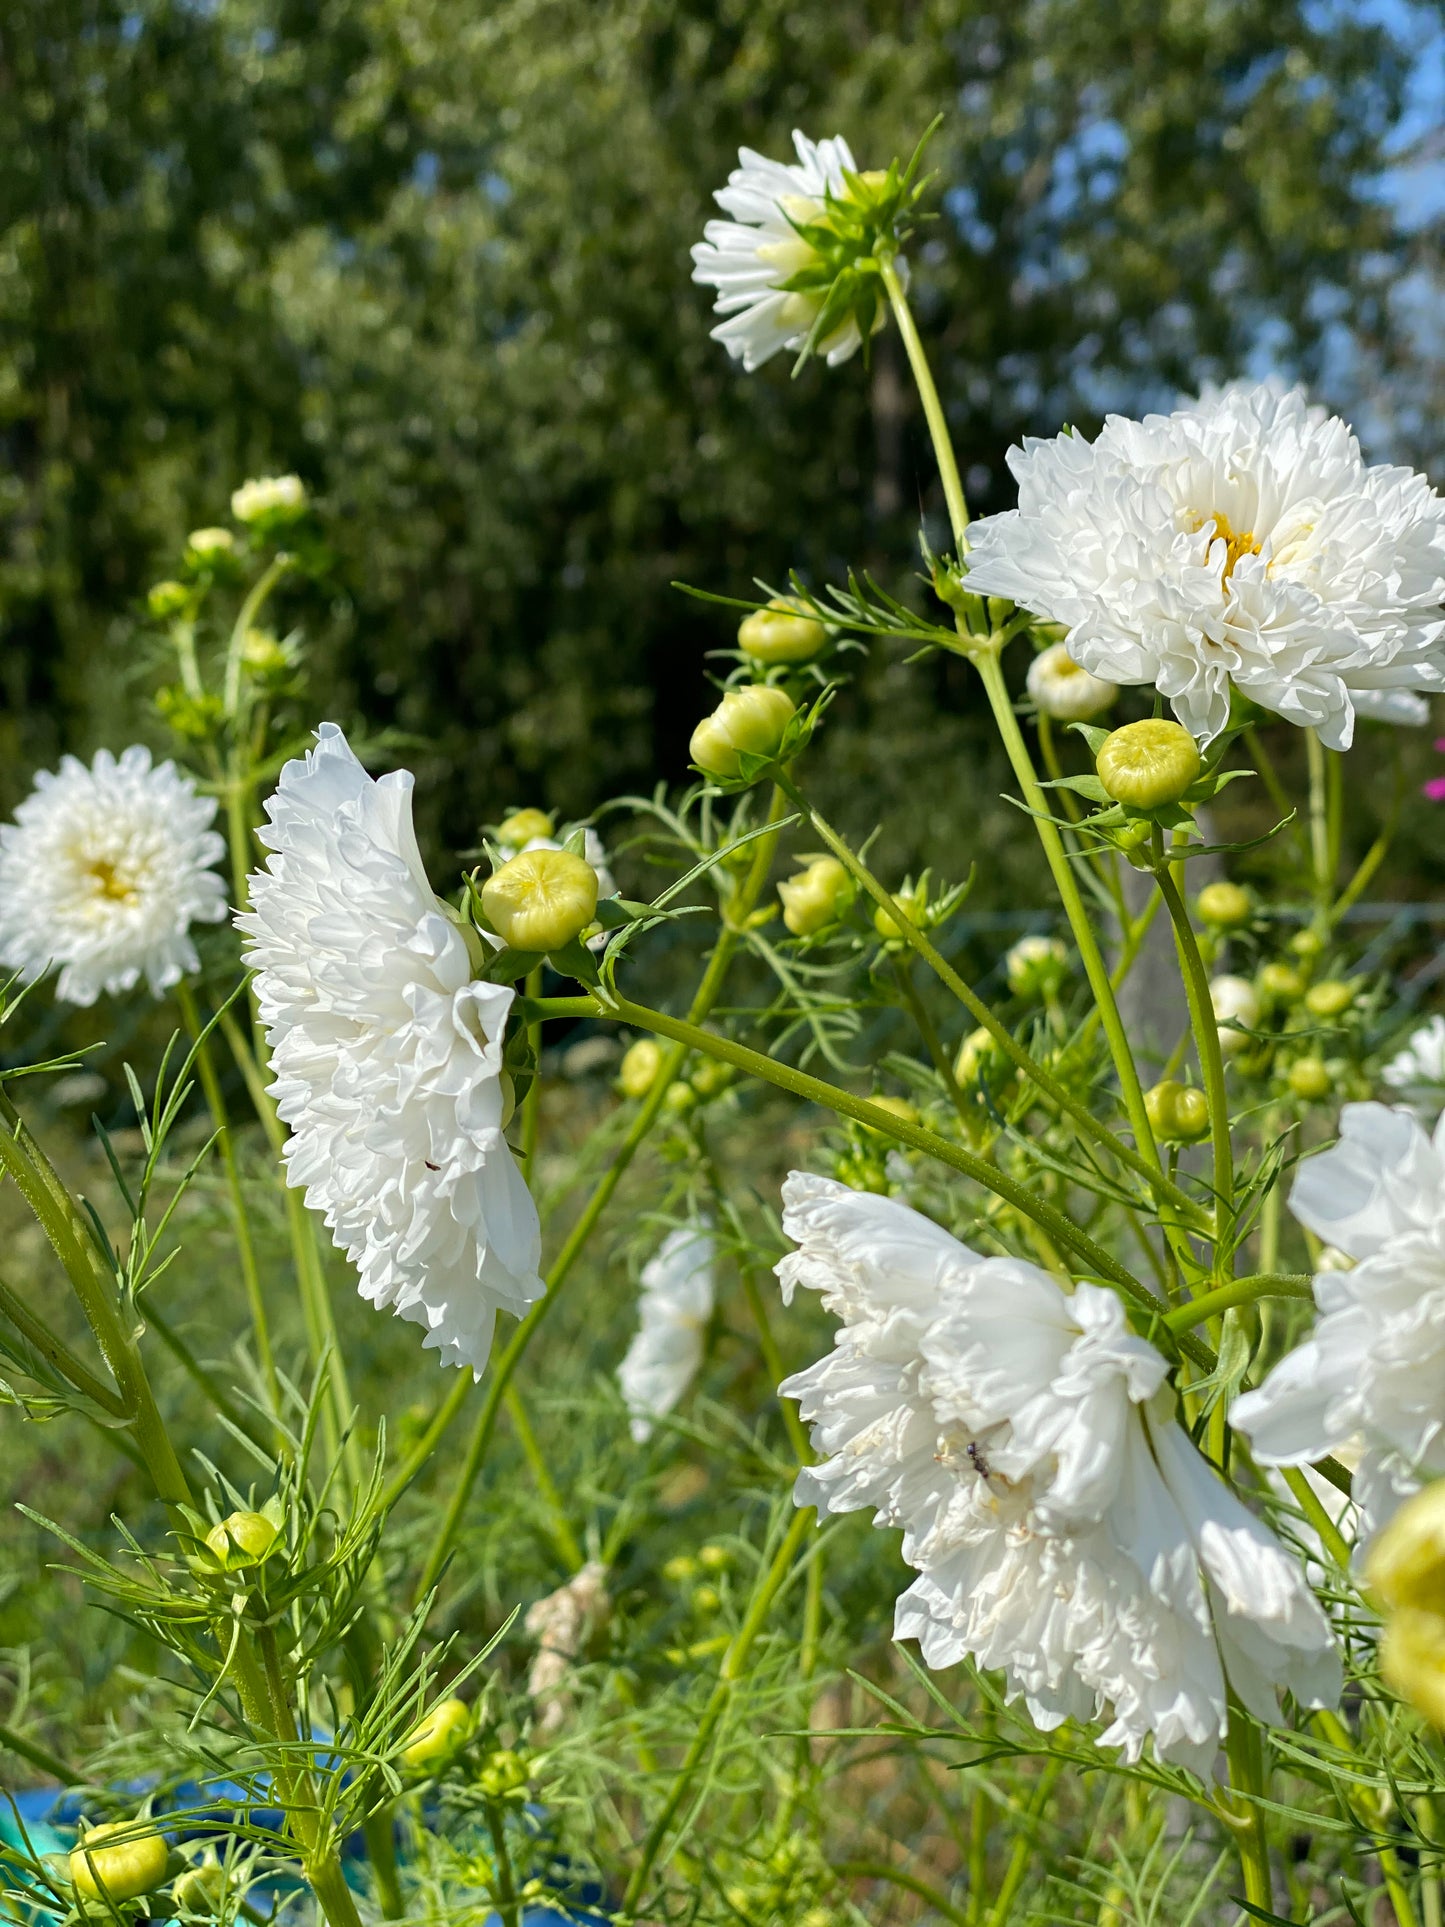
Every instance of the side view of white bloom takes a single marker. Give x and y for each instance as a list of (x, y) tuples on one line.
[(1373, 1367), (103, 872), (388, 1057), (1418, 1071), (1241, 539), (750, 258), (269, 498), (1064, 691), (1063, 1527), (673, 1308)]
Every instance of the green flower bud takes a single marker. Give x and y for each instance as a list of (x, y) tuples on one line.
[(750, 720), (1177, 1113), (541, 900), (263, 655), (199, 1890), (1412, 1660), (242, 1539), (977, 1048), (209, 548), (783, 632), (523, 827), (714, 1558), (1224, 906), (817, 896), (1307, 943), (1406, 1566), (270, 501), (166, 599), (1281, 983), (912, 900), (710, 1077), (119, 1861), (1148, 764), (898, 1107), (680, 1568), (196, 718), (504, 1775), (1329, 998), (1035, 966), (638, 1070), (439, 1734), (707, 1599), (1309, 1080)]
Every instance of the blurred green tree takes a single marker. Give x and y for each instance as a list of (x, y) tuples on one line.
[(434, 255)]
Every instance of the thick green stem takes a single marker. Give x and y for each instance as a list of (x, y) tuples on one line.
[(58, 1354), (240, 1216), (932, 408), (558, 1525), (504, 1891), (1323, 872), (1238, 1291), (1211, 1056), (734, 1665), (298, 1795), (1245, 1819)]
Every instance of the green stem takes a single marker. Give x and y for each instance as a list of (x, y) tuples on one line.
[(504, 1893), (737, 910), (932, 408), (298, 1794), (247, 615), (1309, 1502), (532, 1102), (1048, 1086), (1246, 1820), (729, 1673), (1323, 875), (558, 1525), (1024, 1847), (990, 669), (1239, 1291), (1211, 1056), (240, 1217), (910, 1883), (926, 1029), (41, 1756), (58, 1354)]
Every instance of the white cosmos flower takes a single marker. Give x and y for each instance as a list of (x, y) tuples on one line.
[(103, 872), (1064, 691), (1418, 1071), (673, 1308), (1063, 1527), (748, 258), (1241, 539), (388, 1057), (1374, 1365)]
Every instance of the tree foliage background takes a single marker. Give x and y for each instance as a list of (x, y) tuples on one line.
[(433, 254)]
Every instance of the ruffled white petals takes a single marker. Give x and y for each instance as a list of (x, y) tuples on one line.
[(388, 1057), (1373, 1367), (103, 872), (749, 257), (1240, 540), (1063, 1528), (1418, 1070), (673, 1310)]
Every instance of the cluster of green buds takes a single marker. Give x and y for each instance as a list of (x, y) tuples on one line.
[(504, 1776), (791, 1883), (817, 897), (1283, 1024)]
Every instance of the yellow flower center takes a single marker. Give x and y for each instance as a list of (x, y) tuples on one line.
[(1237, 543), (110, 881)]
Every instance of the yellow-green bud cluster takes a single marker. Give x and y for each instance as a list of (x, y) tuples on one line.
[(817, 896), (1177, 1113), (748, 721)]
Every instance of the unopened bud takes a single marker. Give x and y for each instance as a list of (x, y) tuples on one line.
[(438, 1735), (912, 900), (165, 599), (1177, 1114), (200, 1890), (270, 500), (504, 1775), (119, 1861), (751, 720), (1224, 906), (243, 1539), (263, 655), (783, 632), (816, 896), (1065, 691), (1406, 1566), (1148, 764), (541, 900), (1307, 943), (973, 1053), (1035, 966), (898, 1107), (523, 827), (1235, 1001), (1412, 1660), (638, 1070), (1330, 998), (1309, 1080), (1280, 983)]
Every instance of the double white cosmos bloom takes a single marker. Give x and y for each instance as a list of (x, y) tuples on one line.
[(674, 1306), (1063, 1527), (1242, 539), (1371, 1375), (388, 1057), (103, 872), (750, 257)]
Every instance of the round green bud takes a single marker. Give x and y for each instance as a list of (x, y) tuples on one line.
[(638, 1070), (710, 1076), (1309, 1080), (1224, 906), (680, 1568), (816, 896), (523, 827), (243, 1539), (439, 1734), (541, 900), (679, 1097), (1406, 1566), (119, 1861), (1307, 943), (208, 548), (706, 1599), (1329, 998), (1035, 966), (714, 1558), (263, 655), (504, 1775), (1148, 764), (912, 900), (166, 599), (783, 632), (199, 1890), (973, 1053), (750, 720), (1281, 983), (1177, 1113), (898, 1107)]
